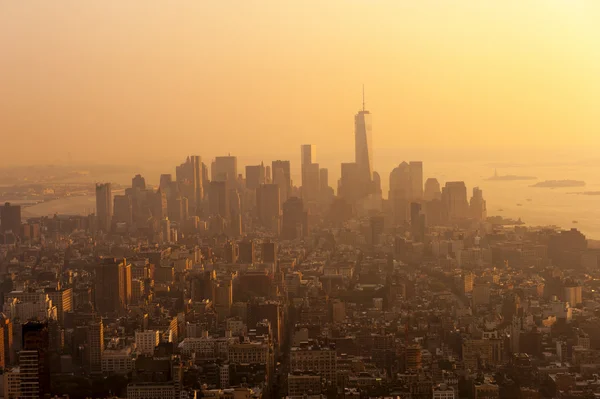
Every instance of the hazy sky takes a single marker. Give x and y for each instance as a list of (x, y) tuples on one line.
[(146, 80)]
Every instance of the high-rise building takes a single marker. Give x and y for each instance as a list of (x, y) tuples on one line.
[(282, 177), (218, 199), (223, 295), (322, 360), (225, 169), (363, 149), (123, 209), (10, 218), (189, 181), (308, 153), (34, 360), (95, 343), (247, 253), (235, 212), (349, 188), (62, 298), (138, 182), (104, 209), (454, 200), (269, 252), (7, 339), (417, 222), (112, 285), (255, 176), (166, 181), (295, 219), (268, 207), (477, 205), (432, 190), (416, 180)]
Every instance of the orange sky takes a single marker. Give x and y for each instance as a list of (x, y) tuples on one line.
[(136, 80)]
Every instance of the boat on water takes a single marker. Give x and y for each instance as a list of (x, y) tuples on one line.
[(500, 210), (519, 204), (575, 222)]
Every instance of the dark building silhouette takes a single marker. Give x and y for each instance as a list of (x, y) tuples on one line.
[(295, 219), (10, 218), (112, 285), (104, 206)]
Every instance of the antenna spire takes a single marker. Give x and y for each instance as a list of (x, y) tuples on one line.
[(363, 97)]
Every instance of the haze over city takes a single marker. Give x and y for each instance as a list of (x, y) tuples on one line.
[(503, 78), (299, 200)]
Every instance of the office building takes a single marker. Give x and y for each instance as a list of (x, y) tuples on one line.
[(151, 390), (268, 207), (218, 199), (138, 183), (417, 222), (34, 360), (189, 182), (123, 209), (225, 169), (62, 298), (320, 360), (10, 218), (454, 200), (416, 180), (95, 343), (255, 176), (310, 173), (282, 177), (304, 383), (146, 341), (223, 295), (350, 188), (112, 285), (104, 206), (432, 190), (246, 252), (269, 252), (477, 205), (295, 219)]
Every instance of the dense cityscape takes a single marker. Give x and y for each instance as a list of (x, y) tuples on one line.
[(224, 284)]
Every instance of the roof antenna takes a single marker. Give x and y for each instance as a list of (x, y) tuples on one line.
[(363, 97)]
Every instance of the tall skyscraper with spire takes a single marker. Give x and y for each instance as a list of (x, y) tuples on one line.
[(363, 146)]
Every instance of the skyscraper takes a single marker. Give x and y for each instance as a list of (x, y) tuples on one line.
[(225, 168), (138, 182), (189, 180), (454, 200), (104, 208), (310, 172), (295, 219), (350, 188), (255, 176), (218, 199), (477, 205), (10, 218), (432, 190), (416, 180), (34, 360), (111, 287), (123, 209), (363, 147), (282, 177), (308, 153), (268, 207)]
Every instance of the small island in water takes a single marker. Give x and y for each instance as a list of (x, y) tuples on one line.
[(559, 183), (498, 177)]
